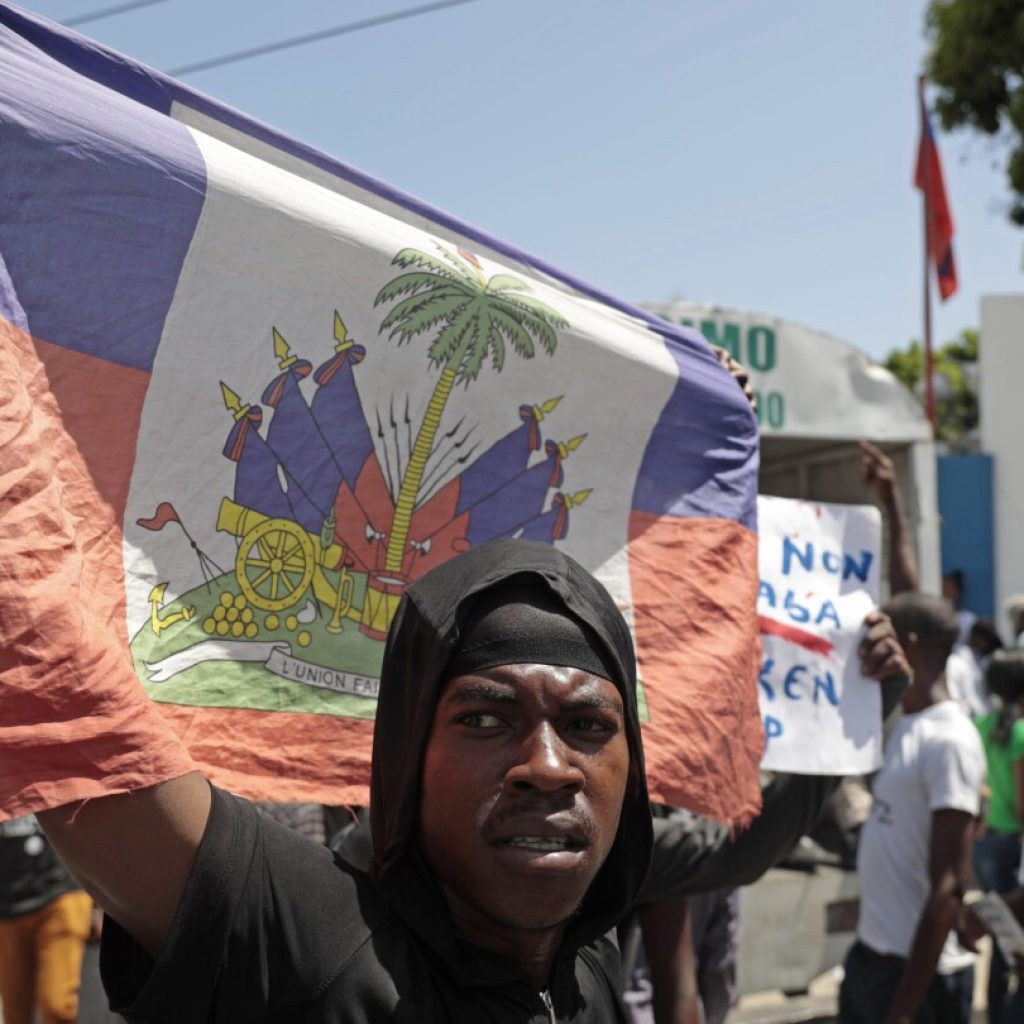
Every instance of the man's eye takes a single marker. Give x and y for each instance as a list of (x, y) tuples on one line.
[(594, 726), (480, 720)]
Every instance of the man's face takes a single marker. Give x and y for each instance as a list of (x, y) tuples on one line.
[(523, 782), (981, 642)]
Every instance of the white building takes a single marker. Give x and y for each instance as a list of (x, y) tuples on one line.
[(1001, 399)]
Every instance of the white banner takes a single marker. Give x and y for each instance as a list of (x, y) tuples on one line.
[(283, 664), (819, 568), (275, 657)]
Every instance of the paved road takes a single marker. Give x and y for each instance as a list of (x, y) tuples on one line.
[(817, 1007)]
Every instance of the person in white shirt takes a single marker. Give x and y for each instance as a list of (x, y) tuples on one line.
[(965, 670), (914, 858)]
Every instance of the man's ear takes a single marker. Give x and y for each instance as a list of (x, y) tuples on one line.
[(911, 639)]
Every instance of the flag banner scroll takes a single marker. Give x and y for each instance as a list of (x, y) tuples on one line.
[(251, 394), (820, 576)]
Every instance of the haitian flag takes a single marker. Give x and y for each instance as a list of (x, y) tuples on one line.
[(249, 394), (929, 179)]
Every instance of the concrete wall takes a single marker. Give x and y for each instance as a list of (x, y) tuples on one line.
[(1001, 396)]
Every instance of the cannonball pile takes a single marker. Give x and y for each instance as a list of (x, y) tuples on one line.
[(233, 617)]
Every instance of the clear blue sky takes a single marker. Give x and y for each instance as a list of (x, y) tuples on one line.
[(737, 152)]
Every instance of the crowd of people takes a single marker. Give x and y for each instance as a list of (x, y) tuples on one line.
[(510, 864), (933, 815), (949, 799)]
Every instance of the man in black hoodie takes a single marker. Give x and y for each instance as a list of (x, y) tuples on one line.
[(510, 824)]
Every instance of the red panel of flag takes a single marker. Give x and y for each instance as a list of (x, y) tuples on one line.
[(929, 179)]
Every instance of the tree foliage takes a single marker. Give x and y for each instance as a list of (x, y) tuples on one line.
[(956, 398), (977, 62)]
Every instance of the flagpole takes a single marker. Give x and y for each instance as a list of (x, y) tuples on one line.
[(929, 357)]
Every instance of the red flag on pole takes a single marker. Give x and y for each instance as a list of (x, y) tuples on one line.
[(938, 218), (165, 513)]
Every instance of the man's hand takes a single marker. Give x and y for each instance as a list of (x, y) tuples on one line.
[(878, 472), (739, 373), (969, 928), (880, 653)]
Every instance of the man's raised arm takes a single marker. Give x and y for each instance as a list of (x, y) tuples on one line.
[(133, 852), (949, 869), (879, 473)]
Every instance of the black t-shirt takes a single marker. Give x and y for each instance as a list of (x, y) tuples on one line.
[(31, 875), (273, 927)]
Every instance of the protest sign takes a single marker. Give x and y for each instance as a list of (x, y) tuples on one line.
[(249, 396), (819, 569)]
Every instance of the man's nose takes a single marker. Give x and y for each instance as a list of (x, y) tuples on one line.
[(545, 763)]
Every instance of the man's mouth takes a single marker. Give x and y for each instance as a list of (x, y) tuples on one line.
[(543, 844), (537, 837)]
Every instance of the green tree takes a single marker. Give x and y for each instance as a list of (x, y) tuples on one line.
[(474, 317), (977, 62), (956, 399)]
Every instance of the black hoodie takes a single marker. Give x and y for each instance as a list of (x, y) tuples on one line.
[(273, 928)]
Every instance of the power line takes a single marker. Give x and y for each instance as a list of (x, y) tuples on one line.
[(109, 12), (312, 37)]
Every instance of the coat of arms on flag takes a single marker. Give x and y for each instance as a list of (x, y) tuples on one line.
[(274, 392), (334, 509)]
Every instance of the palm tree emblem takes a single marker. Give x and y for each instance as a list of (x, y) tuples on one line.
[(475, 317)]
